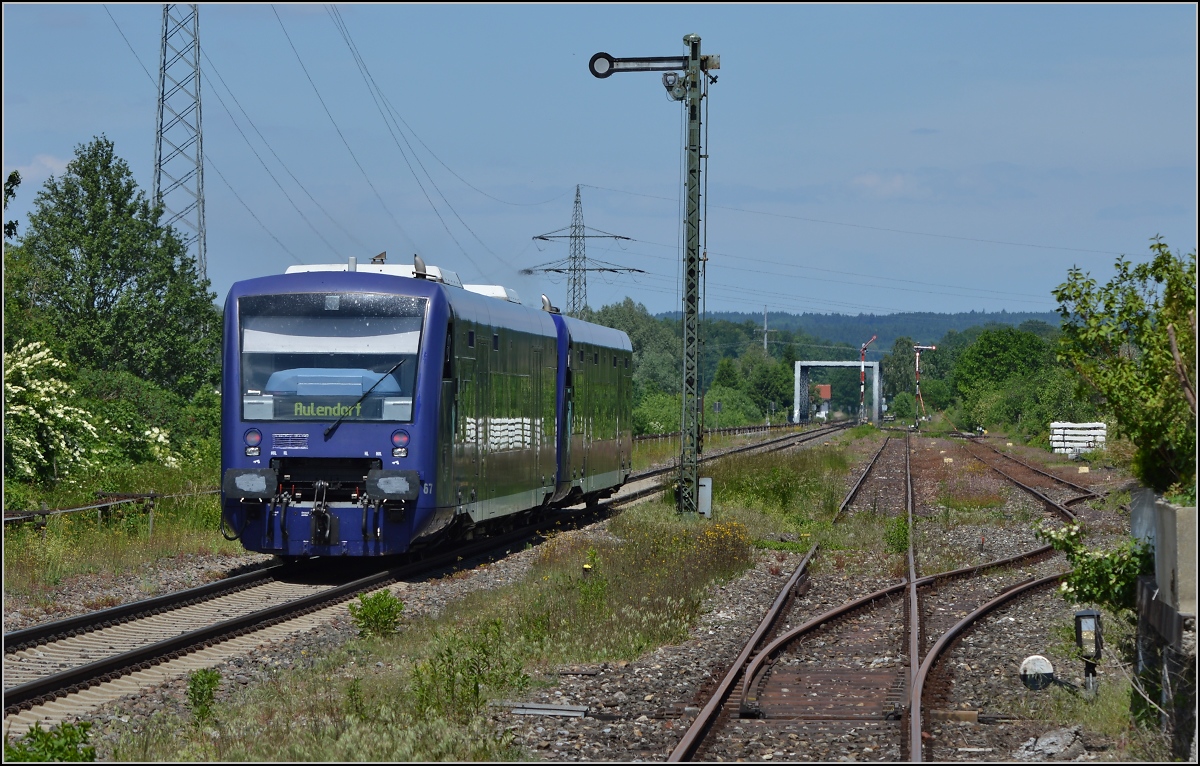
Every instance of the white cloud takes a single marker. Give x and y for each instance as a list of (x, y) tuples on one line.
[(39, 169), (890, 186)]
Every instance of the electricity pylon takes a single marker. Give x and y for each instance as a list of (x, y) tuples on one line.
[(576, 266), (178, 141)]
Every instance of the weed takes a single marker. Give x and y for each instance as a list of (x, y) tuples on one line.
[(65, 742), (452, 682), (895, 535), (106, 601), (201, 688), (377, 614), (356, 706)]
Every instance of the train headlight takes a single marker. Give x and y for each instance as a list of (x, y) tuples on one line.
[(253, 438), (400, 444)]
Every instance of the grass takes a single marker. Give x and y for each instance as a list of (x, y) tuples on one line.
[(1108, 713), (648, 453), (421, 693), (118, 542)]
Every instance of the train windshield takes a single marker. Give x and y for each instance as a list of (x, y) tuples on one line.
[(313, 356)]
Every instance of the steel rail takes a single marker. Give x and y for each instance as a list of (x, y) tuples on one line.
[(78, 678), (700, 727), (1047, 474), (85, 623), (914, 606), (1057, 506), (858, 484), (800, 437), (916, 747), (758, 665)]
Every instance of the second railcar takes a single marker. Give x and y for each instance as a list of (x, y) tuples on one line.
[(370, 408)]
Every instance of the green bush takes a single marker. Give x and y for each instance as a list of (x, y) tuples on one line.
[(656, 414), (65, 742), (377, 614), (903, 406), (737, 409), (201, 689)]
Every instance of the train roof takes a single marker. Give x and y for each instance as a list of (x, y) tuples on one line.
[(595, 334), (432, 273)]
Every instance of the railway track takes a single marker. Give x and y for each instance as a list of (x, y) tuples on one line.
[(853, 678), (71, 657)]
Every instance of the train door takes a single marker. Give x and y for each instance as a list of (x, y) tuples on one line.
[(468, 426), (447, 426)]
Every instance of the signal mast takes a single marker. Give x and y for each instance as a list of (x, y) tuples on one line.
[(919, 349), (862, 381)]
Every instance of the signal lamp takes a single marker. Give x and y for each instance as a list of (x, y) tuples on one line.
[(400, 444), (1090, 640), (253, 437)]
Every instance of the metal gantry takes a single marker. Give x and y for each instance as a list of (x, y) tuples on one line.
[(178, 142), (690, 88), (576, 266)]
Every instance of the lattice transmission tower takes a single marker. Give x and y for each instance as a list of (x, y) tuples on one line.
[(576, 265), (178, 142)]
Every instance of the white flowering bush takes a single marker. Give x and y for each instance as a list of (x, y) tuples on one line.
[(158, 444), (1105, 577), (45, 437)]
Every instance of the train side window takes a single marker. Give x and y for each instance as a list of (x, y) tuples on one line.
[(596, 357), (627, 363), (470, 339), (496, 342), (614, 360)]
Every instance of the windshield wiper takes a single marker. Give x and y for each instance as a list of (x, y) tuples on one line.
[(338, 422)]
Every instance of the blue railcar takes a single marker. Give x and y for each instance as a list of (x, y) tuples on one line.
[(371, 408)]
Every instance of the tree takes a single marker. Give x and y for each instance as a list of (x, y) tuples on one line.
[(10, 190), (657, 363), (1119, 338), (998, 355), (898, 368), (120, 290), (727, 375)]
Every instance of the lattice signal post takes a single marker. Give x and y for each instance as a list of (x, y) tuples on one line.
[(862, 381), (178, 142), (920, 401), (691, 88)]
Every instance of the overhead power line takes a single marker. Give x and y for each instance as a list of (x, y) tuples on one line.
[(346, 143), (208, 155), (872, 228), (376, 94), (349, 235)]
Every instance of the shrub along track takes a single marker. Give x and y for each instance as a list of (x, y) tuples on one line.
[(841, 684), (104, 655)]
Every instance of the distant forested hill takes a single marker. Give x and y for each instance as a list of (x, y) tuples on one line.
[(923, 327)]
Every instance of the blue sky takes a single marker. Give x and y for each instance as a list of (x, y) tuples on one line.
[(863, 158)]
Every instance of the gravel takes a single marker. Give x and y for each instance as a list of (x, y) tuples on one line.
[(637, 710)]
